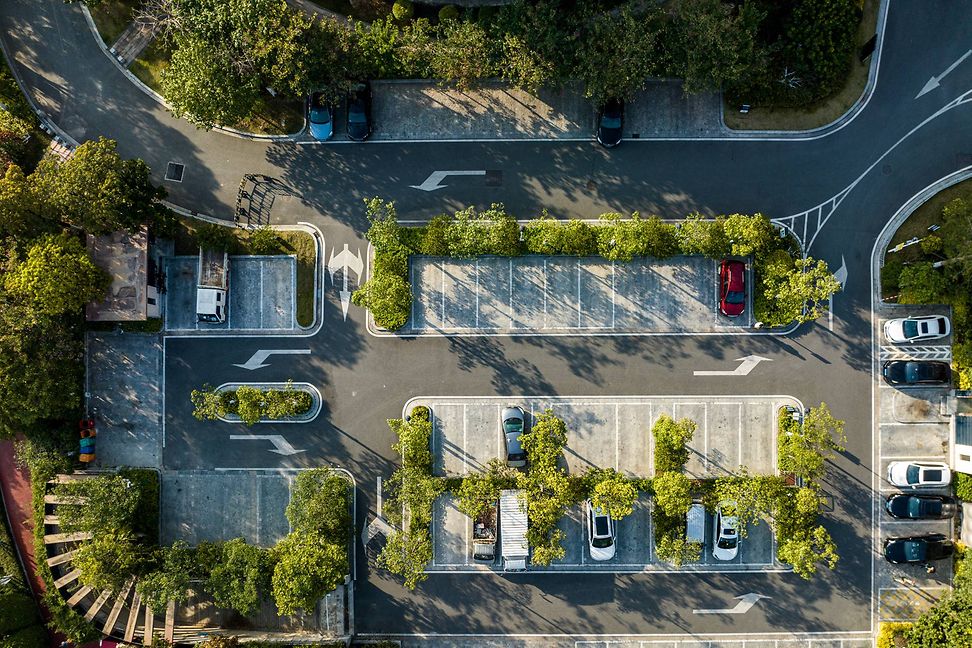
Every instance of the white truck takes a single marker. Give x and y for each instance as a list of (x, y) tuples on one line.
[(212, 286), (484, 535), (513, 529)]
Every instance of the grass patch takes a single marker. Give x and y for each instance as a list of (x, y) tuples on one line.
[(274, 116), (822, 112), (928, 213), (112, 17), (149, 65), (302, 245)]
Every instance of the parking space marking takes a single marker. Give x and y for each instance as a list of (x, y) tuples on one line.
[(617, 436), (930, 352), (477, 293)]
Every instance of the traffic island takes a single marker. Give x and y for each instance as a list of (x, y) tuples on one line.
[(250, 403)]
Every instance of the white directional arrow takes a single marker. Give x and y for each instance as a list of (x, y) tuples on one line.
[(432, 182), (344, 261), (748, 364), (280, 445), (256, 360), (934, 81), (841, 277), (745, 604)]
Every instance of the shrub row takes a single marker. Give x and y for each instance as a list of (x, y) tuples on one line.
[(786, 289), (250, 403)]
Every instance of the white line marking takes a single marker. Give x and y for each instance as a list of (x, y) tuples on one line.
[(477, 293), (578, 294), (511, 293)]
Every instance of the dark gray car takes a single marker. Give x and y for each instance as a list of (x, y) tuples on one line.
[(513, 422)]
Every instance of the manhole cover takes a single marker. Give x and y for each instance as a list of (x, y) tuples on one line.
[(174, 171), (494, 178), (886, 169)]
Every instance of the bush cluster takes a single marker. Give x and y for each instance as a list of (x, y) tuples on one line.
[(786, 290), (250, 403), (410, 496), (672, 490)]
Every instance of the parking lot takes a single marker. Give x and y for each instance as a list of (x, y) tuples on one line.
[(568, 295), (613, 432), (262, 293), (452, 530)]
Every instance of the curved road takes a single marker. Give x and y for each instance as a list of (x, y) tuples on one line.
[(894, 147)]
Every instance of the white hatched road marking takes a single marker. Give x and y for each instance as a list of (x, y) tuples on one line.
[(916, 353)]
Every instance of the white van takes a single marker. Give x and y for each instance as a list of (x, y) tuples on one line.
[(695, 523)]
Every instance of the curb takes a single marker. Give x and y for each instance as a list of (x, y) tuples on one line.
[(160, 99), (317, 401)]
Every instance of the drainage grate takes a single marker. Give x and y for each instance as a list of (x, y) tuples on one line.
[(494, 178), (174, 171)]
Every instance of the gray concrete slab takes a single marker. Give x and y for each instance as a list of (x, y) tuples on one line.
[(566, 295), (918, 405), (663, 109), (903, 441), (202, 506), (124, 380), (180, 296), (450, 534)]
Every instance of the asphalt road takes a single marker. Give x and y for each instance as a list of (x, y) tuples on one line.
[(893, 148)]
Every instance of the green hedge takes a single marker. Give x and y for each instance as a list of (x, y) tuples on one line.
[(963, 486), (250, 403)]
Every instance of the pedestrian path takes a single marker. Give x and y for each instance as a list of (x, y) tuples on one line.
[(133, 42)]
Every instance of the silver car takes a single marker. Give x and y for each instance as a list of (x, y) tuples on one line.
[(513, 423)]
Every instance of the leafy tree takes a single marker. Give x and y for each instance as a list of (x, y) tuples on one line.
[(264, 240), (956, 234), (697, 235), (57, 277), (671, 439), (623, 240), (241, 577), (20, 214), (920, 283), (170, 580), (202, 84), (462, 55), (504, 231), (750, 236), (481, 490), (545, 440), (111, 503), (753, 495), (805, 550), (467, 234), (819, 42), (108, 559), (14, 133), (618, 53), (209, 404), (717, 44), (805, 449), (675, 549), (407, 553), (96, 190), (435, 240), (320, 502), (797, 293), (249, 404), (548, 548), (949, 621), (614, 494), (522, 66), (672, 493), (285, 403)]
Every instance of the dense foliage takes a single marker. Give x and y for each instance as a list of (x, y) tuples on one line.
[(949, 621), (250, 403)]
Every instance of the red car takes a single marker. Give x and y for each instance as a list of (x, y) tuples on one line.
[(732, 287)]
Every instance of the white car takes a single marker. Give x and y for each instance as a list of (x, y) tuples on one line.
[(916, 329), (600, 533), (919, 474), (726, 544)]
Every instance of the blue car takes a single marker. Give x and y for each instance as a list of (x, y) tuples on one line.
[(320, 116)]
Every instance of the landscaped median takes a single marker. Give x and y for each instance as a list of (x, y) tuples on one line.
[(433, 512), (787, 288), (251, 403)]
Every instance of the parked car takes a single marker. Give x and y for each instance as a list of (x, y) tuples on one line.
[(920, 507), (919, 474), (610, 121), (359, 112), (600, 533), (513, 424), (917, 372), (732, 287), (916, 329), (320, 116), (918, 549), (726, 544)]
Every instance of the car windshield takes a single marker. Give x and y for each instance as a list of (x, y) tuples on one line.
[(602, 543), (912, 474), (910, 328), (728, 542), (356, 115), (734, 297), (320, 115), (512, 425), (610, 122)]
